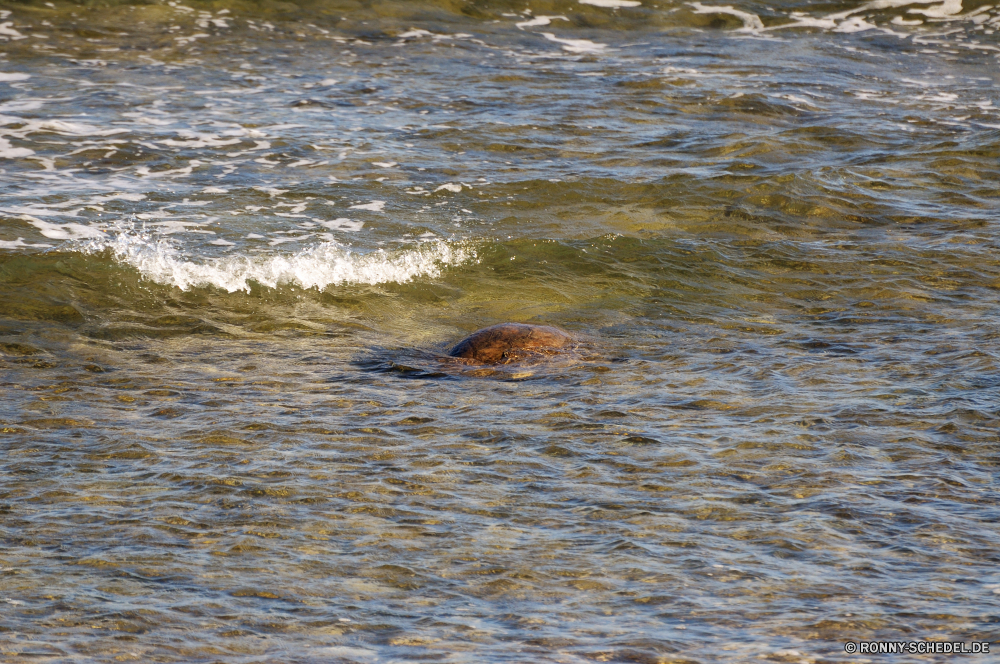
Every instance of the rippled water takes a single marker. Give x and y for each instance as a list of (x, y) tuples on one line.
[(237, 237)]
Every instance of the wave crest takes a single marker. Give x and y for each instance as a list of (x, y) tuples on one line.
[(317, 266)]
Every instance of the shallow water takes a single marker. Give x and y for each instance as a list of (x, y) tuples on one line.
[(236, 239)]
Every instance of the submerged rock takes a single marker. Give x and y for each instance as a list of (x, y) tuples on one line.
[(510, 342)]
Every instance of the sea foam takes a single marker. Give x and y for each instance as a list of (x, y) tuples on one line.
[(319, 266)]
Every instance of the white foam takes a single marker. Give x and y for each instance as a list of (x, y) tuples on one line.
[(113, 197), (9, 32), (857, 19), (64, 127), (539, 21), (849, 22), (19, 242), (878, 4), (454, 188), (374, 206), (798, 100), (20, 105), (576, 45), (177, 172), (271, 191), (184, 41), (39, 210), (319, 266), (751, 22), (946, 8), (60, 209), (680, 70), (341, 224), (415, 33), (9, 78), (9, 152), (611, 3), (69, 231), (175, 226), (205, 20), (854, 24)]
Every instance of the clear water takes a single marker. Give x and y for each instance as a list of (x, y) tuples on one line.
[(235, 238)]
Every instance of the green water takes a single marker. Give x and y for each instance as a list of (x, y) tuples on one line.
[(236, 240)]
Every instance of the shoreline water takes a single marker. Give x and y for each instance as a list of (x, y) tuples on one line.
[(236, 239)]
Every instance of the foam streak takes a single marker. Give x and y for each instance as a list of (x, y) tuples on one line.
[(315, 267)]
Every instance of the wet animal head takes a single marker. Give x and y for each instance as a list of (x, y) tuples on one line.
[(510, 342)]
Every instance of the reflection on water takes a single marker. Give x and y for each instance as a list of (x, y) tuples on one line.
[(236, 242)]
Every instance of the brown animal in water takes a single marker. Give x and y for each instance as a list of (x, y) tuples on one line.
[(509, 342)]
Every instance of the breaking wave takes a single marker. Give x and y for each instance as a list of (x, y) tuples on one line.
[(318, 266)]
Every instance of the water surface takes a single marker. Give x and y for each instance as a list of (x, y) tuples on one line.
[(236, 236)]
